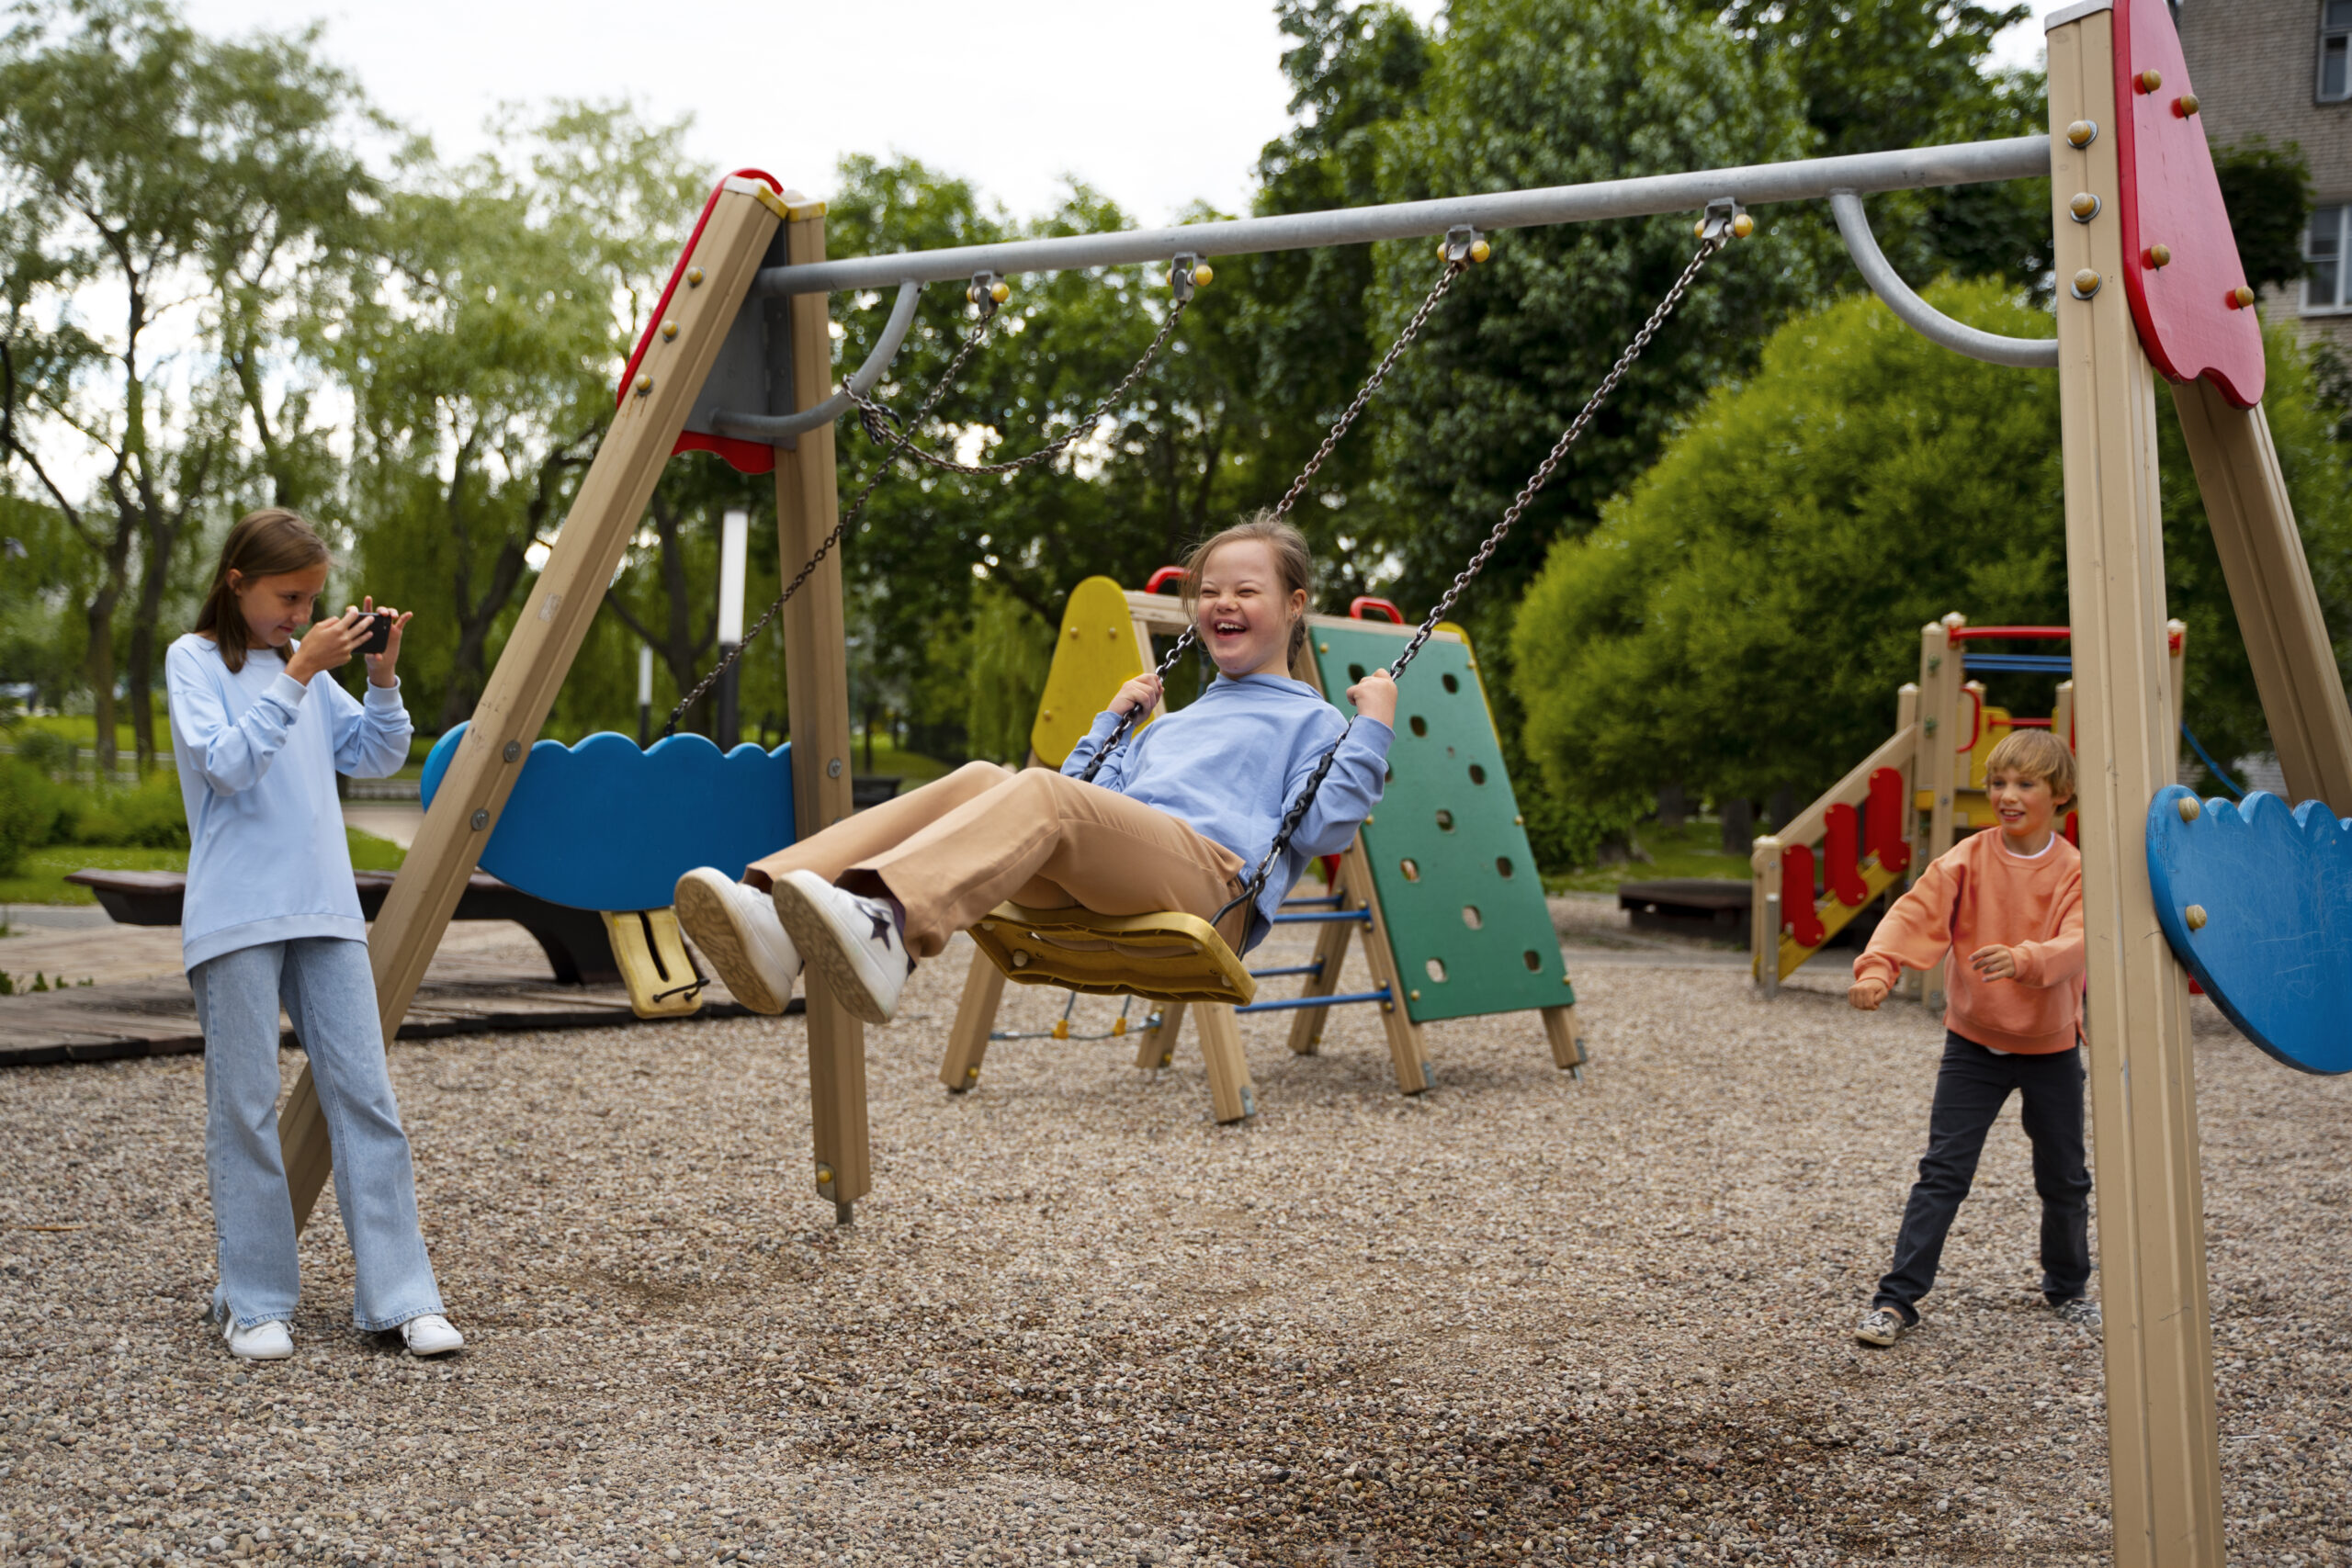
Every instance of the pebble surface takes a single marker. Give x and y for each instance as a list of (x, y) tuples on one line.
[(1515, 1320)]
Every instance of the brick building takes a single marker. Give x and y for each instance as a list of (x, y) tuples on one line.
[(2283, 70)]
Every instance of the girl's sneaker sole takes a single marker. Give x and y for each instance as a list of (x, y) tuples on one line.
[(821, 948), (709, 919)]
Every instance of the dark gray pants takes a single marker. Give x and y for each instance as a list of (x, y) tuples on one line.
[(1971, 1088)]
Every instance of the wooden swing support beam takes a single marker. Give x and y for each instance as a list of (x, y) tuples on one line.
[(2163, 1449)]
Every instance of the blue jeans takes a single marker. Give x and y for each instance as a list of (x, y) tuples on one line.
[(1971, 1088), (330, 993)]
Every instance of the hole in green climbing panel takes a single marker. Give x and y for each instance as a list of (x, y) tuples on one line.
[(1421, 725), (1471, 917), (1355, 671), (1533, 959), (1411, 869), (1445, 821), (1448, 681), (1436, 967), (1478, 773), (1502, 864)]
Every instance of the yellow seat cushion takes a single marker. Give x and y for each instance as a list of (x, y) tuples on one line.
[(1162, 957)]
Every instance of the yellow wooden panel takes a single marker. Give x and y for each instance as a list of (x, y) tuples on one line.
[(1094, 655), (661, 976)]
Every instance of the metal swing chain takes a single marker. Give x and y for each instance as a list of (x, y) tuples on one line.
[(1457, 262), (841, 529), (1716, 236)]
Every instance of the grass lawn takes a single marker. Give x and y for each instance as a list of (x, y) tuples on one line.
[(40, 876), (1695, 848), (912, 766)]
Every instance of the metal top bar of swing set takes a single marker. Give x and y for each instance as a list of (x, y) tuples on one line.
[(1862, 173)]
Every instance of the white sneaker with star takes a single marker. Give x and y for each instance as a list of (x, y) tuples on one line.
[(431, 1335), (854, 942)]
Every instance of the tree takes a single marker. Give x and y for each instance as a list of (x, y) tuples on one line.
[(484, 361), (151, 173), (1744, 614), (2267, 192)]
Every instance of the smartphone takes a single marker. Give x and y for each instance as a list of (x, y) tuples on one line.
[(379, 635)]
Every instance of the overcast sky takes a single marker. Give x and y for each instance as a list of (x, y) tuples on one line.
[(1158, 104)]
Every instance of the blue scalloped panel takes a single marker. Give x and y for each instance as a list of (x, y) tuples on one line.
[(2275, 952), (603, 824)]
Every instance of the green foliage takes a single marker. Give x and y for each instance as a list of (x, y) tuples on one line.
[(1010, 650), (148, 816), (28, 812), (1744, 614), (2267, 191)]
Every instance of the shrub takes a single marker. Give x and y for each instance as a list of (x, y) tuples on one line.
[(45, 749), (28, 811), (148, 816)]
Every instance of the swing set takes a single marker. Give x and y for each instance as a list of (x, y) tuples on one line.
[(736, 359)]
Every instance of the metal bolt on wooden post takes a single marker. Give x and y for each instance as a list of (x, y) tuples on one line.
[(2164, 1453)]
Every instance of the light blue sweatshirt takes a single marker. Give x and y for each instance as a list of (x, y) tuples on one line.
[(258, 752), (1229, 763)]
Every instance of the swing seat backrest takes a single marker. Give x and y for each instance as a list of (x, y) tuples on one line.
[(1162, 957)]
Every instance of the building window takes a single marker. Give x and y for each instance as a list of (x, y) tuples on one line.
[(2336, 52), (2324, 274)]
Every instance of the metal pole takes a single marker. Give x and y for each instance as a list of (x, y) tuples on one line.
[(1970, 162), (645, 696), (733, 536)]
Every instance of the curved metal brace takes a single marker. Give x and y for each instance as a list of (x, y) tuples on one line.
[(2029, 354), (773, 428)]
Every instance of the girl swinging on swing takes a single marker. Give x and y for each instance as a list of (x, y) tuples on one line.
[(1173, 820)]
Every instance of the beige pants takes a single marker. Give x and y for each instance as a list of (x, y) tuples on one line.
[(959, 846)]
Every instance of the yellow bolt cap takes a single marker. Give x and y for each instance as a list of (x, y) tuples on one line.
[(2194, 916), (669, 331), (644, 385), (1480, 251), (2189, 810), (2085, 206), (1000, 291), (2086, 282), (1204, 274), (2149, 81), (2082, 132), (2184, 105), (1743, 226), (694, 277), (2159, 255)]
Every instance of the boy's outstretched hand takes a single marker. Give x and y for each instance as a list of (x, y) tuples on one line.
[(1143, 692), (1995, 963), (1375, 697), (1866, 993)]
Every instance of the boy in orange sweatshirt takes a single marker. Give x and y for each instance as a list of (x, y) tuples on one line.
[(2012, 900)]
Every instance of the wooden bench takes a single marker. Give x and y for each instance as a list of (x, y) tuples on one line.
[(573, 939)]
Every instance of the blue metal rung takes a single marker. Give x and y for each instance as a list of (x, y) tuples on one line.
[(1314, 968), (1289, 1003), (1364, 915), (2037, 664)]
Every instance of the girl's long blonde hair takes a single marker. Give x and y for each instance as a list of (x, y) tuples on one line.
[(267, 543), (1291, 559)]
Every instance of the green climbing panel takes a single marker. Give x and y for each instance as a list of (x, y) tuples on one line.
[(1449, 857)]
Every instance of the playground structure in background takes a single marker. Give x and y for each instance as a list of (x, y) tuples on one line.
[(1440, 883), (1912, 798)]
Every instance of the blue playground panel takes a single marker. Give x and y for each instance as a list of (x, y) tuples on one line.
[(2274, 950), (605, 825)]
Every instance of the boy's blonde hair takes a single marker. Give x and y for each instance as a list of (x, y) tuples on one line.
[(2038, 754), (1291, 559)]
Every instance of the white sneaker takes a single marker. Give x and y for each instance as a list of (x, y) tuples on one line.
[(734, 925), (1880, 1327), (431, 1335), (262, 1342), (854, 943)]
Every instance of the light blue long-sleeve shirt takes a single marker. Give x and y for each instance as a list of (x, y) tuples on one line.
[(1229, 763), (258, 752)]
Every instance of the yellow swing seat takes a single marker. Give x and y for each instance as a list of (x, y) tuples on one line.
[(1162, 957)]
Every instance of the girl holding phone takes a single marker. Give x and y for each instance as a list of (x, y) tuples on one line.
[(272, 917)]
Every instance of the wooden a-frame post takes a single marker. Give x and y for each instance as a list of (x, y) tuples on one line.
[(816, 678), (562, 601), (2163, 1451)]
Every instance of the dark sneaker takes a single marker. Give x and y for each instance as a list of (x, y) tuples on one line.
[(2079, 1311), (1880, 1327)]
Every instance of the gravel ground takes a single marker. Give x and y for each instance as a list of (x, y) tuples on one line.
[(1517, 1319)]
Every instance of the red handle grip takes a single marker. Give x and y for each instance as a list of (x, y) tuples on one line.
[(1357, 607), (1164, 576)]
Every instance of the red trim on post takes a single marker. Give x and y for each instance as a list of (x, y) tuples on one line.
[(2008, 634), (1363, 601), (744, 457), (1160, 579)]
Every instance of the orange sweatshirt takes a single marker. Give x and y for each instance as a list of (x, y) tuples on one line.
[(1971, 897)]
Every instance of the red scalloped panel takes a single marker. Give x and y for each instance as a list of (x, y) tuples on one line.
[(2186, 310), (744, 457)]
